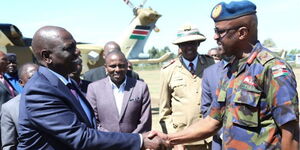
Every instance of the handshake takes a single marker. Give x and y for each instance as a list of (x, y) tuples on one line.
[(155, 140)]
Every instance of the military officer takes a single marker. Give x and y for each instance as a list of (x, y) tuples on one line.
[(257, 99), (181, 86)]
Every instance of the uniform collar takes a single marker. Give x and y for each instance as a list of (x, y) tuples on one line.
[(187, 62)]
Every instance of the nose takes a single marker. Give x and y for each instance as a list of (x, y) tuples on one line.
[(216, 36)]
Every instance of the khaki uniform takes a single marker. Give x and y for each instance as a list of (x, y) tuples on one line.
[(180, 95)]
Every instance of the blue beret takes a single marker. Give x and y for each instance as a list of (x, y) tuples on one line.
[(234, 9)]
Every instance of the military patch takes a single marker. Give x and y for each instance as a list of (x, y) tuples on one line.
[(217, 11), (249, 80), (278, 67), (264, 57), (280, 72)]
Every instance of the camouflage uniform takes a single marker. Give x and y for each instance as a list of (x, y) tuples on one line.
[(254, 99)]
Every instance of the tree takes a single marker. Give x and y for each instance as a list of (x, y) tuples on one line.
[(153, 52), (294, 51), (269, 43)]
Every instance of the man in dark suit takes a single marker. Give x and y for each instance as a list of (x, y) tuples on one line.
[(99, 72), (124, 103), (7, 91), (10, 110), (54, 114), (75, 75)]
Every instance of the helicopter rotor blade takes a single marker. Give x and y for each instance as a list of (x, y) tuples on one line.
[(128, 2), (142, 4)]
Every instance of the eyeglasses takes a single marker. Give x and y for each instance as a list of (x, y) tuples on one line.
[(190, 43), (222, 31)]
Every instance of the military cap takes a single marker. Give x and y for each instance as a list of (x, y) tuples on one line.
[(232, 10), (12, 57), (188, 33)]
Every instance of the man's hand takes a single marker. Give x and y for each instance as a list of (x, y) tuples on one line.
[(152, 140)]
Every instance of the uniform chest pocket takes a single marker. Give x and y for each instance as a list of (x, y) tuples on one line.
[(245, 108), (177, 83)]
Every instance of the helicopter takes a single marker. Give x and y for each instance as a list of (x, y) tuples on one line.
[(132, 41)]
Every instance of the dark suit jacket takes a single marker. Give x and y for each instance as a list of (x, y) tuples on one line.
[(52, 118), (5, 94), (135, 112), (100, 73)]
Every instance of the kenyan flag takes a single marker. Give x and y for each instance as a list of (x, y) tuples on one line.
[(140, 32)]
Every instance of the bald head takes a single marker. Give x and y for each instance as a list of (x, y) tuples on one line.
[(47, 37), (110, 46), (249, 21), (26, 71), (114, 53)]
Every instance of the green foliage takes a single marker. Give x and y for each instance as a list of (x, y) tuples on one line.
[(269, 43), (156, 53), (294, 51)]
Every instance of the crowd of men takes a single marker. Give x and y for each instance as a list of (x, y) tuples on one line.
[(239, 96)]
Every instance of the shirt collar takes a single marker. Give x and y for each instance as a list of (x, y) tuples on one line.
[(187, 62), (122, 86), (60, 77)]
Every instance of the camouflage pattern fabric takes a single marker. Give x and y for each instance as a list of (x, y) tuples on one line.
[(255, 98)]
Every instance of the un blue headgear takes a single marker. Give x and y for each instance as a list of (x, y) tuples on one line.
[(234, 9)]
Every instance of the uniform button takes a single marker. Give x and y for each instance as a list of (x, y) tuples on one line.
[(174, 125)]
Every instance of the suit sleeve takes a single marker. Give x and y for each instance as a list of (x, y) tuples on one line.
[(8, 130), (165, 108), (51, 113), (145, 122), (206, 95)]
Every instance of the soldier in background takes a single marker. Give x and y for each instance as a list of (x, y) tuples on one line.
[(181, 87)]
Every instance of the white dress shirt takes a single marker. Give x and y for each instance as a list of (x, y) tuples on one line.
[(118, 94)]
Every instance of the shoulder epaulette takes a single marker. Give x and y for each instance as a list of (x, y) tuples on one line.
[(264, 56), (169, 63)]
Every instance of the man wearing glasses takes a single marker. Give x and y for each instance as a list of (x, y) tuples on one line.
[(257, 101), (181, 87)]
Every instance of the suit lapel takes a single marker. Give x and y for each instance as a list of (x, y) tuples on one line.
[(4, 87), (127, 93), (67, 93), (199, 68)]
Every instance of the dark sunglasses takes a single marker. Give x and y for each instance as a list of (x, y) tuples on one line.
[(221, 31)]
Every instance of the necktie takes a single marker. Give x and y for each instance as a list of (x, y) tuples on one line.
[(191, 65), (82, 103), (7, 85)]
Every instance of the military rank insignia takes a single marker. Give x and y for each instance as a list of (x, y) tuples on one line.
[(217, 11), (279, 70)]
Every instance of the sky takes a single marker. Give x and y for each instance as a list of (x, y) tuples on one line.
[(100, 21)]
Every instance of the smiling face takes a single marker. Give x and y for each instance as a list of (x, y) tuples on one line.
[(189, 49), (116, 67)]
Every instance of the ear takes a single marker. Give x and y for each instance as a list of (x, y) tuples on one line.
[(21, 82), (46, 57), (243, 33)]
